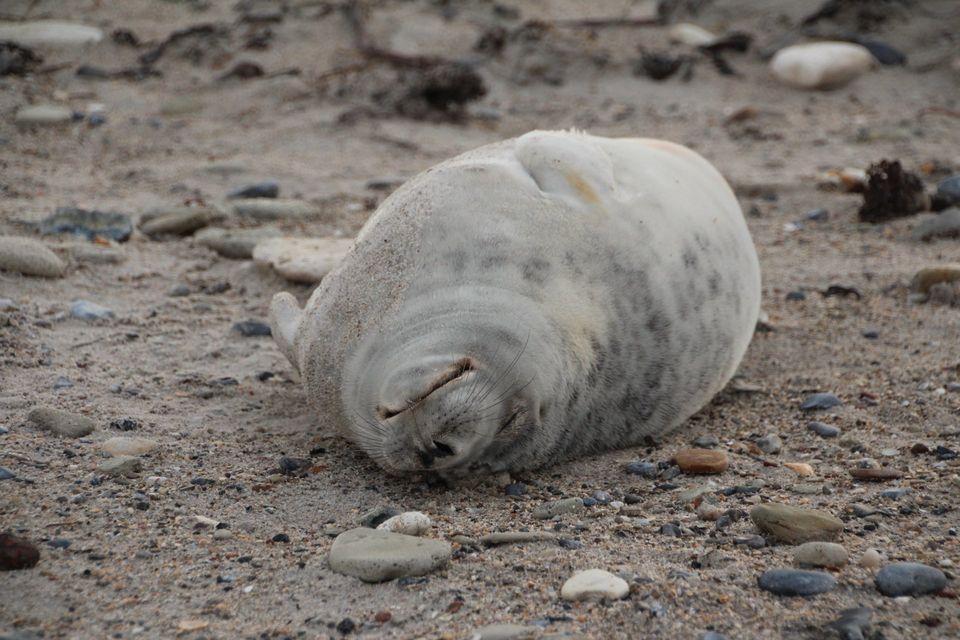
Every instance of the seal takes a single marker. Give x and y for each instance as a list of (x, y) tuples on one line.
[(528, 302)]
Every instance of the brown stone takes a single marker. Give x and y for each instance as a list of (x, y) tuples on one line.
[(876, 474), (795, 525), (701, 461), (17, 553)]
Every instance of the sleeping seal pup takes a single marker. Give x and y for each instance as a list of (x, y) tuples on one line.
[(528, 302)]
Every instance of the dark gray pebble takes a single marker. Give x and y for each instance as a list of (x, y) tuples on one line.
[(796, 296), (706, 442), (632, 498), (589, 502), (515, 489), (670, 529), (895, 494), (870, 334), (179, 291), (884, 53), (948, 192), (202, 482), (6, 474), (346, 626), (602, 497), (944, 453), (250, 328), (281, 537), (819, 401), (88, 224), (567, 543), (294, 466), (820, 214), (754, 542), (853, 624), (125, 424), (59, 543), (263, 376), (770, 444), (267, 189), (371, 519), (824, 430), (910, 579), (642, 469), (62, 383), (795, 582)]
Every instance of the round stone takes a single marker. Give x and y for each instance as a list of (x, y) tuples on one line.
[(821, 65), (594, 584), (794, 582), (411, 523), (236, 244), (305, 260), (910, 579), (124, 446), (823, 430), (701, 461), (820, 401), (62, 423), (821, 554), (29, 257), (870, 559), (795, 525), (378, 556)]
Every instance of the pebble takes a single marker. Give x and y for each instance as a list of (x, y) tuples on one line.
[(236, 244), (821, 554), (870, 334), (251, 328), (516, 537), (378, 556), (823, 430), (29, 257), (88, 223), (375, 517), (802, 469), (304, 260), (294, 466), (269, 209), (179, 291), (713, 635), (910, 579), (504, 632), (818, 401), (549, 510), (706, 442), (948, 191), (821, 65), (222, 534), (62, 383), (515, 489), (411, 523), (594, 584), (120, 466), (883, 53), (820, 214), (6, 474), (871, 559), (795, 582), (97, 254), (62, 423), (929, 276), (17, 553), (267, 189), (43, 115), (59, 543), (853, 624), (796, 296), (795, 525), (86, 310), (945, 224), (896, 494), (701, 461), (602, 497), (875, 474), (642, 469), (50, 33), (180, 221), (127, 446), (770, 444), (690, 34)]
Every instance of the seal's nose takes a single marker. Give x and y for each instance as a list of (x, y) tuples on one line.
[(439, 450)]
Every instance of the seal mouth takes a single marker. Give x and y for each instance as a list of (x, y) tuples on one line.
[(456, 371)]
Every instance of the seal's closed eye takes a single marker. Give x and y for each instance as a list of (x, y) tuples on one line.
[(457, 370)]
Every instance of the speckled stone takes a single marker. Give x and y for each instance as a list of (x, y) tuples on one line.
[(910, 579), (378, 556), (794, 582), (62, 423), (548, 510), (795, 525), (29, 257)]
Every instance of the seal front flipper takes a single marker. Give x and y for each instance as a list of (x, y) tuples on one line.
[(285, 316), (570, 165)]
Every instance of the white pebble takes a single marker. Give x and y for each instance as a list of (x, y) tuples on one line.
[(870, 559), (594, 584), (690, 34), (412, 523), (821, 65)]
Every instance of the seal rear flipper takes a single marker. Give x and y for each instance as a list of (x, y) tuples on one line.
[(285, 315)]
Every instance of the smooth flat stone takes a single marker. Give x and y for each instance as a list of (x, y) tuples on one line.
[(504, 632), (701, 461), (945, 224), (86, 310), (62, 423), (237, 244), (821, 65), (516, 537), (929, 276), (821, 554), (794, 582), (378, 556), (594, 584), (43, 115), (820, 401), (910, 579), (29, 257), (548, 510), (88, 223), (52, 33), (268, 209), (120, 466), (126, 446), (305, 260), (875, 474), (179, 221), (795, 525)]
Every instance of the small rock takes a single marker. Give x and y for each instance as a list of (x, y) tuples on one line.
[(180, 221), (294, 466), (896, 494), (796, 296), (690, 34), (516, 537), (43, 115), (770, 444), (59, 543), (280, 537), (875, 474), (602, 497), (942, 225), (62, 383), (853, 624), (180, 291), (549, 510), (706, 442), (17, 553), (377, 556), (304, 260), (871, 559), (819, 401), (823, 430), (948, 193), (821, 65), (870, 334), (594, 584), (126, 446), (62, 423), (883, 53), (88, 223), (910, 579), (802, 469), (29, 257), (6, 474), (821, 554), (375, 517), (269, 209), (120, 466), (251, 328), (236, 244), (820, 214), (411, 523), (701, 461), (86, 310), (259, 190), (504, 632), (794, 582), (515, 489), (222, 534), (795, 525), (49, 33), (642, 469)]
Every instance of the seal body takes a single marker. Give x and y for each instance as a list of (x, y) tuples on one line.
[(530, 301)]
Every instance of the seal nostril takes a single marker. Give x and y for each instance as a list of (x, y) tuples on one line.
[(442, 449), (425, 458)]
